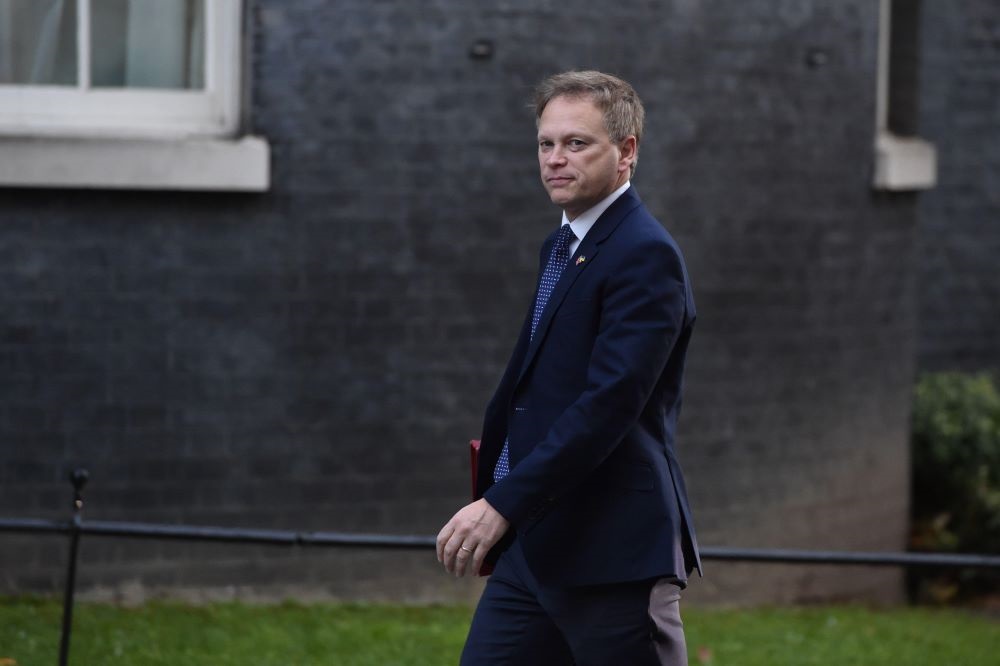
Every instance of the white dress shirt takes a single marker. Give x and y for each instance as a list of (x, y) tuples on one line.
[(582, 224)]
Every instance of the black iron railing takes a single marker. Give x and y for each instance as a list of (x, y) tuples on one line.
[(76, 528)]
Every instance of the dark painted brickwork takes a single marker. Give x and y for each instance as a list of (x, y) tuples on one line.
[(960, 219), (317, 356)]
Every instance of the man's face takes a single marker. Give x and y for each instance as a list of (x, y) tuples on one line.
[(579, 163)]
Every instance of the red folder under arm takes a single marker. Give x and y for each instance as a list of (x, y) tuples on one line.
[(474, 457)]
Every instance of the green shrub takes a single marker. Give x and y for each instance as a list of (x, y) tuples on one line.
[(956, 471)]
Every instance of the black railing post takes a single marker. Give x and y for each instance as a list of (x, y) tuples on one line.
[(79, 479)]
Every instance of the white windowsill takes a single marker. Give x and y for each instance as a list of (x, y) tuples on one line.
[(904, 163), (141, 164)]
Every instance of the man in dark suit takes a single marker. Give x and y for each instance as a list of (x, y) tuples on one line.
[(582, 504)]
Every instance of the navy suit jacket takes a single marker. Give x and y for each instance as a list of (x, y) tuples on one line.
[(590, 406)]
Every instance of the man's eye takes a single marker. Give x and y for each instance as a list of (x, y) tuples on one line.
[(576, 143)]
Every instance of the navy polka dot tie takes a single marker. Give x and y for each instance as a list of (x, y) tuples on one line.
[(558, 259)]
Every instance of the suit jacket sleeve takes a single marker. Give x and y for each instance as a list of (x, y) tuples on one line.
[(643, 313)]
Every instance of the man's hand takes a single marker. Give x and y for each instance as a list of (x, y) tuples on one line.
[(463, 542)]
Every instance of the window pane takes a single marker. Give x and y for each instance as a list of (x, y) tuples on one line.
[(38, 41), (148, 43)]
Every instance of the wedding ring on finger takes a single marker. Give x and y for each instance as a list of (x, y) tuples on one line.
[(468, 550)]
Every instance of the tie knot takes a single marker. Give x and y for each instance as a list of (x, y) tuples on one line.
[(566, 236)]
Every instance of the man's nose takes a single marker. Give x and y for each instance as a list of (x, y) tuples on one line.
[(556, 156)]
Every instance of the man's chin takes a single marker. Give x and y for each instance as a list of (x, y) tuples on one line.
[(559, 198)]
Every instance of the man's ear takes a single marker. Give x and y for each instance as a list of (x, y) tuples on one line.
[(628, 150)]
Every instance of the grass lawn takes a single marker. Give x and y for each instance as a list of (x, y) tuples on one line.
[(354, 635)]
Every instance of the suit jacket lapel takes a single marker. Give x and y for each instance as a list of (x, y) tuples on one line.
[(581, 259)]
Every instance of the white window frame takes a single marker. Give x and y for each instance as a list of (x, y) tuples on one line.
[(50, 110), (137, 138), (902, 163)]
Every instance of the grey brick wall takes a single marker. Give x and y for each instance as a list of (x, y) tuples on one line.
[(317, 356), (960, 218)]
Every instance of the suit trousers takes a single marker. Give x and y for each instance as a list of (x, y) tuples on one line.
[(521, 623)]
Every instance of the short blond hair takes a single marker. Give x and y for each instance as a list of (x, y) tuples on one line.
[(617, 100)]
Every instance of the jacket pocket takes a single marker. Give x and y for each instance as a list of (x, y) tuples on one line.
[(631, 476)]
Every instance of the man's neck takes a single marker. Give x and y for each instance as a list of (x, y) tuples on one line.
[(601, 205)]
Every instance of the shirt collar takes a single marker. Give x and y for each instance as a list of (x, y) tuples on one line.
[(582, 224)]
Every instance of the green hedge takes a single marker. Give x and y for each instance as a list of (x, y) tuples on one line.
[(956, 471)]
